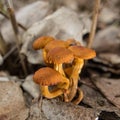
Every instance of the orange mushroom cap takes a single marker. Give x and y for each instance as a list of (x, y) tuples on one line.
[(82, 52), (60, 55), (71, 42), (47, 76), (55, 43), (41, 42)]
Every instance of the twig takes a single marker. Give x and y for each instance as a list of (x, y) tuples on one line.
[(16, 31), (9, 52), (3, 46), (40, 102), (6, 16), (94, 22)]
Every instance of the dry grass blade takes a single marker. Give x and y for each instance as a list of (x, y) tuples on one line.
[(16, 31), (3, 12), (3, 46), (94, 22), (6, 16)]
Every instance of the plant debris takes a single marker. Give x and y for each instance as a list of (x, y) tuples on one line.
[(94, 88)]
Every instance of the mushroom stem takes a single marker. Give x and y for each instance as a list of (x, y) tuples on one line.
[(44, 56), (50, 94), (74, 77), (68, 71), (60, 89), (59, 68), (64, 84), (80, 97)]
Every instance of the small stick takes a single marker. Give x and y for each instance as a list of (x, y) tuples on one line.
[(3, 12), (16, 31), (9, 52), (40, 102), (94, 22), (3, 46), (6, 16)]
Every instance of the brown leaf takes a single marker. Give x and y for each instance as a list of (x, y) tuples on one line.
[(110, 88), (57, 110)]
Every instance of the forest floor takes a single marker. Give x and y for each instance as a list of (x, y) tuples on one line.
[(62, 19)]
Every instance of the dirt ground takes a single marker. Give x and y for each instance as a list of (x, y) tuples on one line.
[(99, 79)]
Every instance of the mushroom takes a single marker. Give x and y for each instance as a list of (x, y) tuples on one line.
[(79, 98), (58, 56), (41, 42), (72, 42), (80, 54), (68, 70), (55, 43), (46, 77)]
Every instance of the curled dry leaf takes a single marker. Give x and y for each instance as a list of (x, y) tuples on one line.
[(110, 58), (30, 87), (107, 62), (24, 16), (107, 39), (62, 24)]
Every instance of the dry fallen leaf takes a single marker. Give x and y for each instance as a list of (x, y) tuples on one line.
[(62, 24), (56, 110), (12, 104), (110, 88), (106, 39), (24, 16), (111, 58)]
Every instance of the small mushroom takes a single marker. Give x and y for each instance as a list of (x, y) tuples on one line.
[(41, 42), (55, 43), (58, 56), (46, 77), (80, 54), (68, 70), (79, 98), (72, 42)]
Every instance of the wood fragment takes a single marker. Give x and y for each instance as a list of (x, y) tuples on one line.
[(94, 22), (16, 32), (3, 45)]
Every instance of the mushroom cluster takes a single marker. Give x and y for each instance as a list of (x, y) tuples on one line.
[(64, 61)]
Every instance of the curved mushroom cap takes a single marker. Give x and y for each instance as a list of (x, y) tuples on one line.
[(82, 52), (47, 76), (60, 55), (72, 42), (55, 43), (41, 42)]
